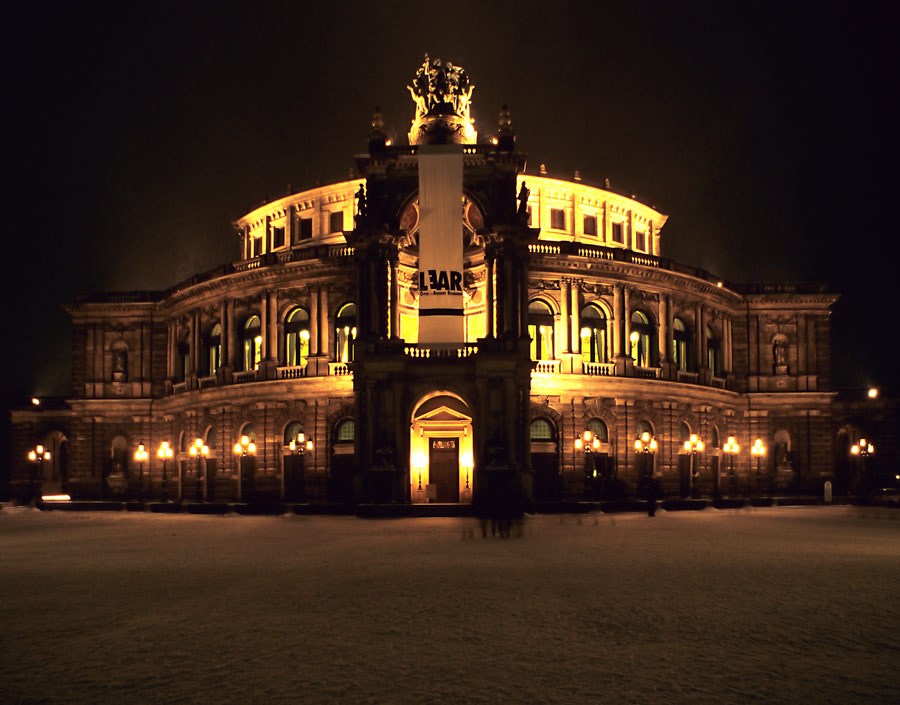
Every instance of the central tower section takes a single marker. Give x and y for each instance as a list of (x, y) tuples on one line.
[(441, 417), (442, 94)]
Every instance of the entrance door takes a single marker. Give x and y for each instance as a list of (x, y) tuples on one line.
[(293, 478), (443, 468)]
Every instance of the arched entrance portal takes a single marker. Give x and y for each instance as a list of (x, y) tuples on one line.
[(441, 450)]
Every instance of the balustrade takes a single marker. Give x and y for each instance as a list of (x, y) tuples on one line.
[(599, 369), (291, 372), (245, 376)]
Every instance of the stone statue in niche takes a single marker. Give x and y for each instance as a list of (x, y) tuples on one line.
[(780, 354), (120, 365)]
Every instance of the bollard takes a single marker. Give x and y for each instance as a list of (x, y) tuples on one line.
[(828, 492)]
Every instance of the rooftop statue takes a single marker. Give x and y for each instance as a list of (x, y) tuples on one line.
[(441, 89)]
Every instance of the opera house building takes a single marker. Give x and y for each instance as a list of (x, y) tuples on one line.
[(448, 326)]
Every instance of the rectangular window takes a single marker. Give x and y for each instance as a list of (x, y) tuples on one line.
[(618, 232), (640, 241), (277, 237), (336, 222), (557, 219), (590, 225), (305, 229), (255, 246), (530, 218)]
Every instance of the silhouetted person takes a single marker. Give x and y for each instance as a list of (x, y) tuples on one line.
[(652, 493)]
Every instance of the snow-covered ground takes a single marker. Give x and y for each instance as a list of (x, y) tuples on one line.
[(780, 605)]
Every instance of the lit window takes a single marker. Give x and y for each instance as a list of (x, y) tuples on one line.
[(598, 430), (292, 432), (541, 430), (345, 333), (252, 343), (296, 338), (213, 346), (593, 335), (557, 219), (345, 432), (590, 225), (713, 353), (640, 240), (641, 334), (618, 232), (336, 222), (681, 345), (540, 330)]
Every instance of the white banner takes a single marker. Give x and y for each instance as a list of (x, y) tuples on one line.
[(441, 315)]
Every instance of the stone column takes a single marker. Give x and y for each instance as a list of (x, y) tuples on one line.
[(313, 320), (170, 350), (272, 327), (324, 322), (729, 350), (232, 337), (574, 300), (489, 300), (699, 339), (665, 328), (395, 300), (564, 327), (618, 348), (627, 320), (264, 326)]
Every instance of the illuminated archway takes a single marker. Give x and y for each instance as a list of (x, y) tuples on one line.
[(441, 459)]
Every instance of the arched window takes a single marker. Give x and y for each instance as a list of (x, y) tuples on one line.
[(684, 433), (251, 341), (643, 427), (249, 431), (713, 353), (345, 333), (641, 339), (212, 437), (296, 338), (681, 345), (714, 436), (292, 432), (345, 431), (540, 330), (598, 429), (542, 430), (213, 345), (593, 335)]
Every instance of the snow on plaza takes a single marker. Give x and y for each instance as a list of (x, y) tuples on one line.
[(774, 605)]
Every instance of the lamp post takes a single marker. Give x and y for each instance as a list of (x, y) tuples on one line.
[(37, 456), (645, 445), (732, 448), (758, 450), (298, 447), (141, 455), (243, 448), (693, 446), (199, 450), (862, 450), (164, 453), (589, 443)]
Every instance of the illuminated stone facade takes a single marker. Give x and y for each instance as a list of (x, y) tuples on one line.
[(574, 322)]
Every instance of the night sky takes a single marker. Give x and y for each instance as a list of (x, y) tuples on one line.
[(140, 132)]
